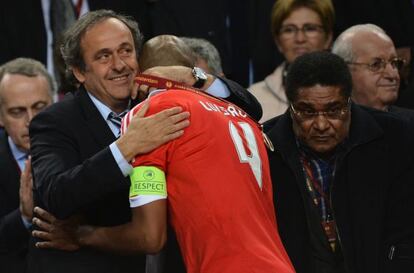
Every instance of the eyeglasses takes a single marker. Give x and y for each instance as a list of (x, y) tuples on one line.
[(378, 64), (309, 30), (335, 113)]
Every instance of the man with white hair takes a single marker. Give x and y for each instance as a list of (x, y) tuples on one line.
[(207, 55), (374, 66)]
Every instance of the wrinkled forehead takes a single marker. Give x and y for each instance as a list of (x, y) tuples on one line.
[(371, 45), (16, 89), (108, 32)]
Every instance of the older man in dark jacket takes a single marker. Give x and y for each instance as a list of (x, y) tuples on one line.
[(342, 176)]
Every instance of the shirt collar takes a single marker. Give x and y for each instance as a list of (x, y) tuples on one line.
[(16, 152), (102, 108)]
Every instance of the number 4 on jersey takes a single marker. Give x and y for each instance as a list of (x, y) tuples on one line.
[(254, 158)]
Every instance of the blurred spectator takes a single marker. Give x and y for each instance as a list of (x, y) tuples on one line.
[(396, 18), (374, 65), (26, 88), (298, 27), (207, 55)]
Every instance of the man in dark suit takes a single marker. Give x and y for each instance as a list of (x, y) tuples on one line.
[(76, 156), (342, 175), (25, 89)]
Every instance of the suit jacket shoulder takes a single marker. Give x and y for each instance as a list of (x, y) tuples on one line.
[(244, 99)]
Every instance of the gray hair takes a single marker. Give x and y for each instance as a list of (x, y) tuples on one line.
[(343, 44), (206, 51), (30, 68), (71, 46)]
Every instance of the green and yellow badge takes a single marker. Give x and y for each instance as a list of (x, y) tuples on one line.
[(147, 180)]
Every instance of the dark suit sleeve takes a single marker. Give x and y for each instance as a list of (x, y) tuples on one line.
[(68, 174), (244, 99), (13, 233)]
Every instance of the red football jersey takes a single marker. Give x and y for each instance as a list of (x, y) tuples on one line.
[(220, 199)]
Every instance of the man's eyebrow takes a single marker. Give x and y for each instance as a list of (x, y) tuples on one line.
[(102, 51), (16, 108), (125, 44), (38, 102)]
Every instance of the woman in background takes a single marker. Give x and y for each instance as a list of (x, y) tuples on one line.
[(298, 27)]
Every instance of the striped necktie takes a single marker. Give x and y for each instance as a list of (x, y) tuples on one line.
[(116, 119), (21, 161)]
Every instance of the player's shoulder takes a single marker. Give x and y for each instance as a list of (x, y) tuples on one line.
[(167, 95)]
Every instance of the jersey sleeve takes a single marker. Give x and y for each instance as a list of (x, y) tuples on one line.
[(158, 158)]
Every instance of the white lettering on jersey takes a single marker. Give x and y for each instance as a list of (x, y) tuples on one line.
[(233, 111), (206, 107), (230, 110), (254, 158), (224, 111)]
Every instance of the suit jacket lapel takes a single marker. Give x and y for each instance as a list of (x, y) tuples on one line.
[(10, 174), (94, 120)]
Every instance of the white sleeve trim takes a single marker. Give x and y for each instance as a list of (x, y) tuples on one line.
[(141, 200)]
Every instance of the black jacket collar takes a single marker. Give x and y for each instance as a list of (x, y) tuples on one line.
[(95, 122)]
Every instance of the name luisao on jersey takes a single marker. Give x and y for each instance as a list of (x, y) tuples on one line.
[(230, 110)]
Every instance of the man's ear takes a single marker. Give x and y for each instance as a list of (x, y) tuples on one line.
[(78, 74)]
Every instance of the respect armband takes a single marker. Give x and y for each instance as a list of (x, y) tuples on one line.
[(147, 180)]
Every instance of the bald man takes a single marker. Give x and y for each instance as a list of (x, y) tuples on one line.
[(374, 65)]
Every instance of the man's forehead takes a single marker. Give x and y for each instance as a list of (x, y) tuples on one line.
[(13, 79), (18, 89), (370, 45), (318, 94), (104, 22), (109, 32)]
